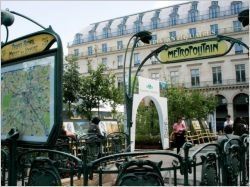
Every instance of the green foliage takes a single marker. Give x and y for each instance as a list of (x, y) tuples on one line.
[(147, 124), (189, 103), (71, 84), (95, 88)]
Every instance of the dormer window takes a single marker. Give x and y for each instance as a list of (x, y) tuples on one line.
[(138, 23), (78, 38), (214, 10), (91, 36), (106, 32), (174, 16), (193, 13), (236, 7), (155, 20)]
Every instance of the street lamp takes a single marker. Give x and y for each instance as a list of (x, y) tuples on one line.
[(145, 37)]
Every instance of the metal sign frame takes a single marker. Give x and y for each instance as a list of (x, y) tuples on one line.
[(57, 52), (218, 38)]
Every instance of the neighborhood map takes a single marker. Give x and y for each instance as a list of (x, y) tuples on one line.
[(27, 89)]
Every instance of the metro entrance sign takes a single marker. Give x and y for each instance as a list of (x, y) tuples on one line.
[(201, 49)]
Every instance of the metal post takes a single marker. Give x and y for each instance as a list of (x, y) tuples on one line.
[(187, 164), (12, 145)]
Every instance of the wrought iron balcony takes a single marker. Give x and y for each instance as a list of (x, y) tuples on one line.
[(164, 24), (210, 84), (221, 31)]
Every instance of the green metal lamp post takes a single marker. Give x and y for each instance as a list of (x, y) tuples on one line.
[(145, 37)]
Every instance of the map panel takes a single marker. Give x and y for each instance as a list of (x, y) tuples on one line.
[(28, 99)]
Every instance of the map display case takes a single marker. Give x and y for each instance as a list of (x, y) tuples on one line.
[(31, 91)]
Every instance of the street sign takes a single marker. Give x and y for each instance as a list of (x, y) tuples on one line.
[(201, 49), (31, 87)]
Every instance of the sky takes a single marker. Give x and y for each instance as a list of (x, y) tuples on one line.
[(69, 17)]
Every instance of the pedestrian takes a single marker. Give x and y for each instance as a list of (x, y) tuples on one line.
[(97, 127), (228, 121), (239, 126), (179, 133)]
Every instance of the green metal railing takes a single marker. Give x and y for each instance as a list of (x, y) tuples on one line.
[(224, 163)]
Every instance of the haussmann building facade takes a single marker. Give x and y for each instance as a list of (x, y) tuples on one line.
[(227, 77)]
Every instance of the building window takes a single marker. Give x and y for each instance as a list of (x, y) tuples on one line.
[(193, 13), (237, 26), (155, 76), (104, 48), (106, 32), (137, 26), (154, 39), (90, 50), (174, 77), (91, 36), (238, 48), (195, 77), (174, 19), (105, 61), (172, 35), (136, 59), (214, 10), (192, 16), (192, 32), (119, 45), (78, 38), (154, 23), (217, 79), (240, 73), (214, 29), (121, 29), (236, 7), (119, 61), (76, 52)]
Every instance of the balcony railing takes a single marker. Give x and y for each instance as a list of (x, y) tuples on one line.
[(206, 84), (148, 26), (221, 31)]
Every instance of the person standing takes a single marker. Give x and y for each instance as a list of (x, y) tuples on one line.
[(228, 121), (179, 132), (97, 127)]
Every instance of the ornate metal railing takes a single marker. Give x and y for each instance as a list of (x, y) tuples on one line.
[(224, 163)]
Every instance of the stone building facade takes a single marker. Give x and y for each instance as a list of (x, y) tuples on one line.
[(226, 77)]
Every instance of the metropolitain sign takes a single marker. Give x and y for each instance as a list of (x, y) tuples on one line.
[(195, 50)]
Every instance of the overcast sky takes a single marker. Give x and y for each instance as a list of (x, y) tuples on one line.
[(69, 17)]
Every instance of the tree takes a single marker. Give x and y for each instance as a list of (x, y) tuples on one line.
[(71, 83), (189, 103), (95, 88)]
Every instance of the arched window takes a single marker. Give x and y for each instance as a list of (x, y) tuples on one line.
[(236, 7), (214, 10)]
